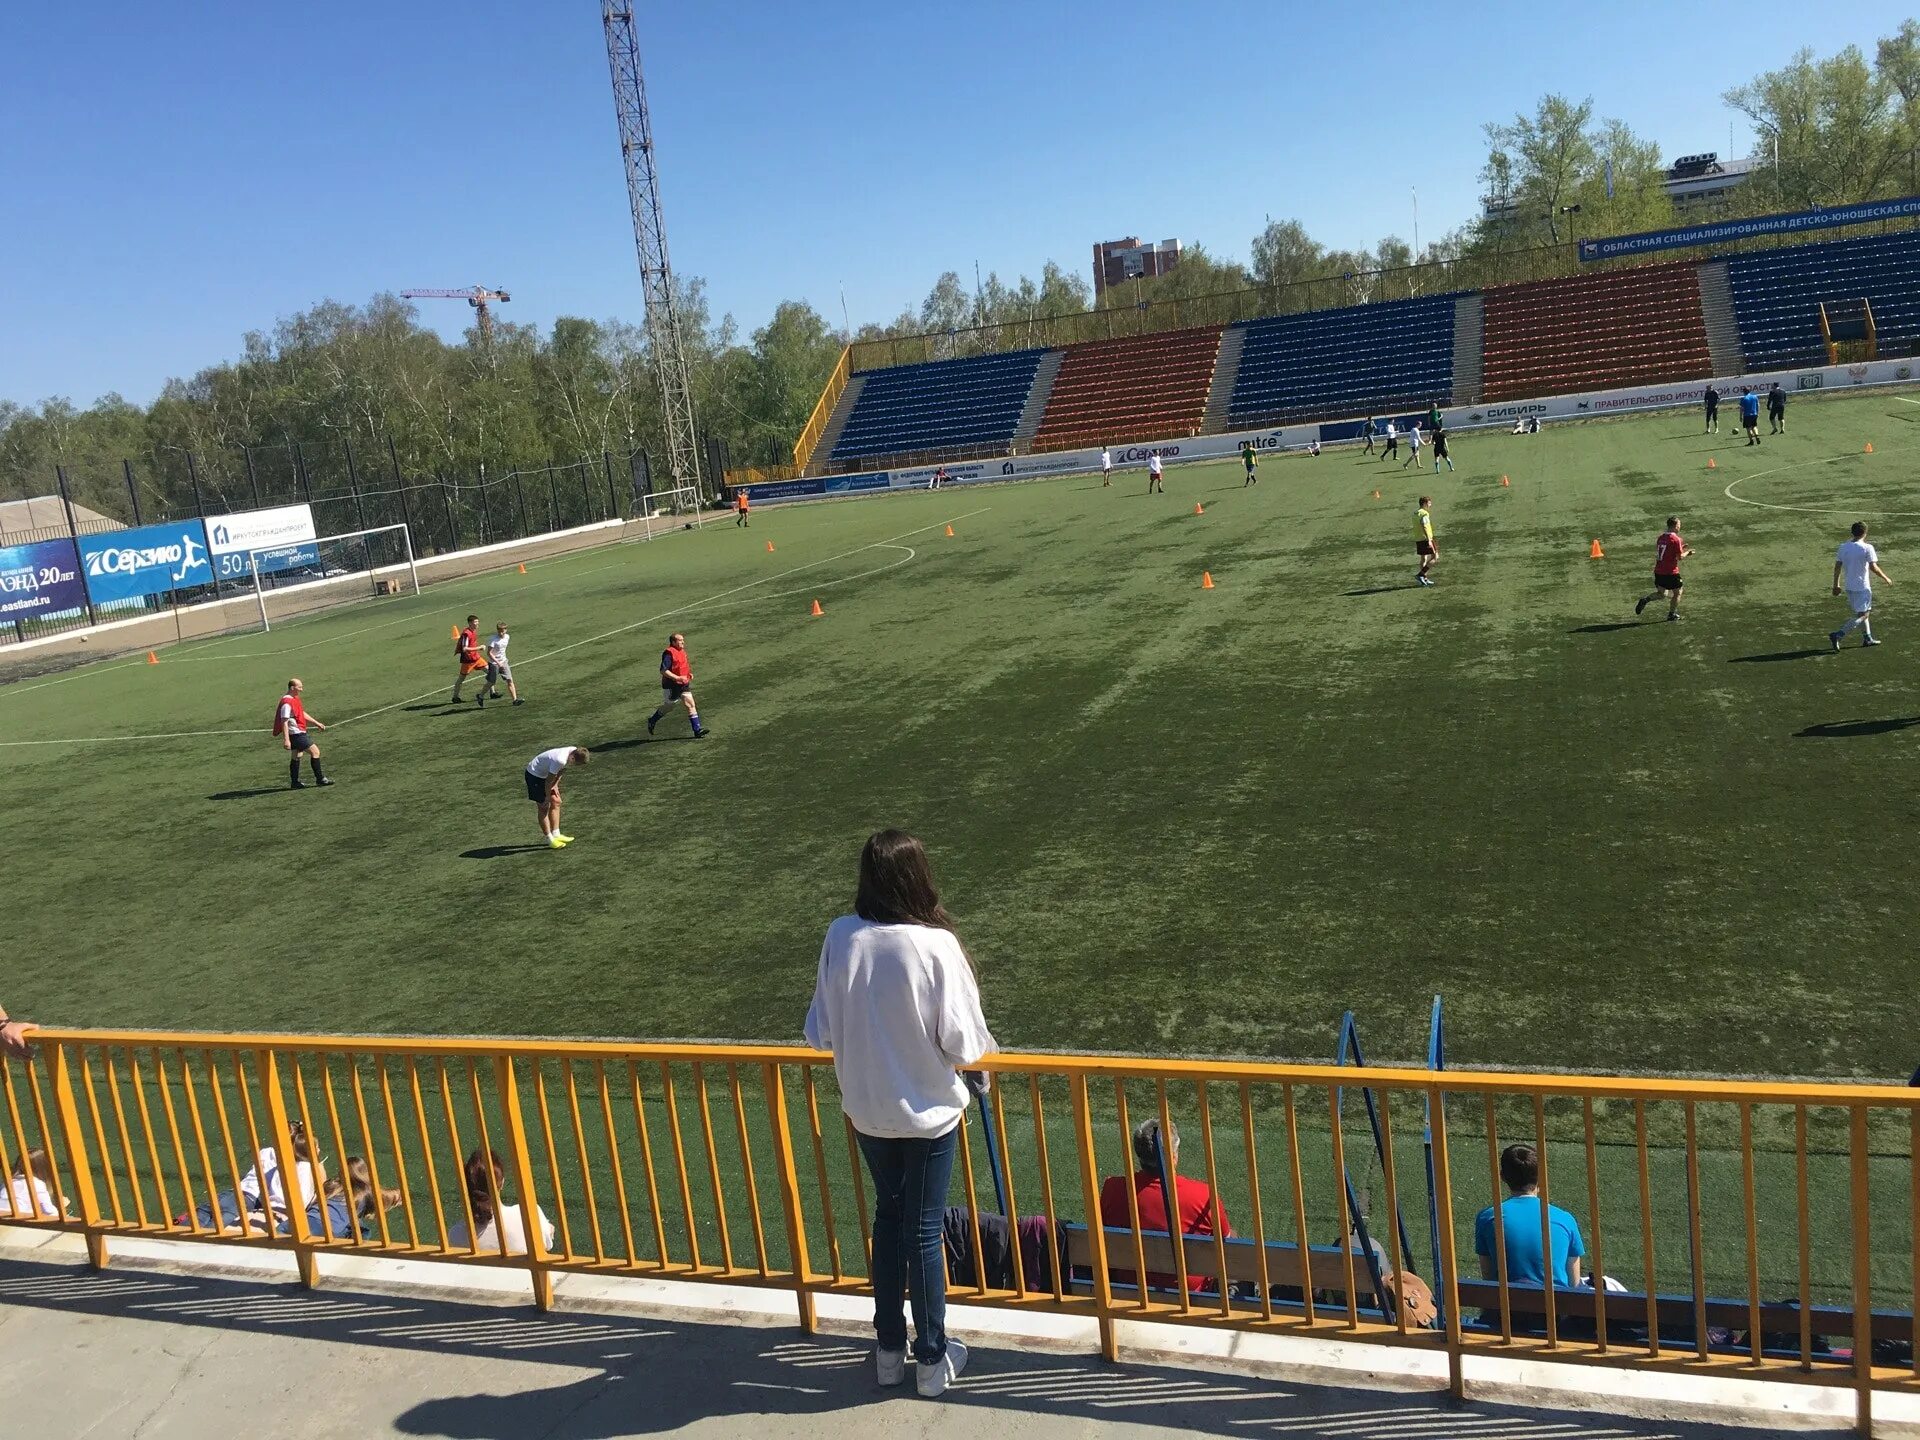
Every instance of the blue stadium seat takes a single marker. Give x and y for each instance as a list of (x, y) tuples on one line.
[(1397, 355), (939, 405), (1777, 296)]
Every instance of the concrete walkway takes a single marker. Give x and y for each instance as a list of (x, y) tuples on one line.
[(152, 1353)]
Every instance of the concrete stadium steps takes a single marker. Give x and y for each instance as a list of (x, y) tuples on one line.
[(837, 422), (1716, 308), (1593, 332), (1469, 340), (1140, 387), (1226, 370), (1036, 406)]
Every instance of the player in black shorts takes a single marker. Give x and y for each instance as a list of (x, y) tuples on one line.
[(1440, 451), (1713, 411)]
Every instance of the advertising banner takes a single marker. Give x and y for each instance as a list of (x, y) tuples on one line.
[(1612, 247), (230, 537), (40, 579), (126, 564)]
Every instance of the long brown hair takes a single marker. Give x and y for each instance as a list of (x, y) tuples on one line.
[(363, 1198), (896, 886), (486, 1177)]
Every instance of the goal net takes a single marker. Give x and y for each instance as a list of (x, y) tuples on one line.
[(311, 575)]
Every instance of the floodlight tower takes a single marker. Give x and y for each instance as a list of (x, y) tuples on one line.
[(664, 335)]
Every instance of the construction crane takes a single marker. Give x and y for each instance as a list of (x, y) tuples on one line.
[(478, 296), (665, 337)]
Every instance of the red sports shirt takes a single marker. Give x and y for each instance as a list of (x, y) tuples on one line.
[(674, 660), (290, 714), (470, 644), (1666, 556), (1196, 1218)]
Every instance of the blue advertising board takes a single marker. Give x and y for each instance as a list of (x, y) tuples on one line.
[(126, 564), (40, 579), (232, 565), (843, 484), (1612, 247)]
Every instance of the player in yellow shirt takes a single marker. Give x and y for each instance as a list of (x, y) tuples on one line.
[(1423, 545)]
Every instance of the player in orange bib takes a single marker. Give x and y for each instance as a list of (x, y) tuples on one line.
[(466, 650), (740, 507)]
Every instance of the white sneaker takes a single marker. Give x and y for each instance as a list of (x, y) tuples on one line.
[(890, 1366), (932, 1380)]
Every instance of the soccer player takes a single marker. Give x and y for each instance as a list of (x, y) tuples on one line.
[(1366, 434), (466, 651), (740, 507), (1248, 459), (498, 669), (290, 722), (1776, 410), (1855, 564), (1434, 423), (1423, 546), (1440, 452), (1393, 443), (1668, 551), (1713, 411), (1106, 467), (1413, 447), (676, 685), (1155, 478), (1750, 416), (543, 788)]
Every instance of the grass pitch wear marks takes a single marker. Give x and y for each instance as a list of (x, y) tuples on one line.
[(543, 789), (676, 685), (1423, 544), (290, 725), (466, 654), (1668, 551), (1855, 564)]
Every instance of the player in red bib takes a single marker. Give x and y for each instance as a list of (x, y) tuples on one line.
[(1668, 551), (676, 685), (290, 722), (466, 650)]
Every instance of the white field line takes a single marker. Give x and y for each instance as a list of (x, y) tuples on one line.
[(1806, 509), (709, 602), (1907, 400)]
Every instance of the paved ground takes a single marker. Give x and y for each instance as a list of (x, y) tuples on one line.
[(157, 1354)]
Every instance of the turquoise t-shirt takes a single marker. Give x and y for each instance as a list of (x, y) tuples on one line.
[(1520, 1215)]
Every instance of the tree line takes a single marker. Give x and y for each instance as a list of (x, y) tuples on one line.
[(335, 378)]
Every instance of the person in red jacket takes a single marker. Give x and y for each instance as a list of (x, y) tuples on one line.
[(466, 650), (1195, 1200), (290, 722), (676, 685)]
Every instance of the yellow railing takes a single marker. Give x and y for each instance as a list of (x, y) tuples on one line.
[(816, 425), (1708, 1200), (761, 474)]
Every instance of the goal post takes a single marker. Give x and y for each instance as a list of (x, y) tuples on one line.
[(305, 576), (684, 507)]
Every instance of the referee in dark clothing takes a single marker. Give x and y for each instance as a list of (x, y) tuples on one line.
[(1777, 410)]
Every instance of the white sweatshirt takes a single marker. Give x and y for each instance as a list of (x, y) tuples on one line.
[(898, 1007)]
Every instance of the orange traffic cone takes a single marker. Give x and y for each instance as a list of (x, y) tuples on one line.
[(1596, 552), (523, 569), (456, 631), (949, 532), (769, 547), (1206, 580), (1198, 508), (1507, 483), (1869, 449), (816, 608), (1712, 464), (152, 659)]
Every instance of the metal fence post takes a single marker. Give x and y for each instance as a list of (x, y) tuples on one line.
[(486, 518), (1096, 1232), (613, 500), (586, 493), (133, 490), (267, 1065), (526, 525), (453, 530), (522, 1163), (789, 1180), (300, 468), (253, 477), (193, 474), (353, 485), (73, 530), (67, 1114)]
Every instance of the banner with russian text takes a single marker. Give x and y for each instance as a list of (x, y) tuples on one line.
[(1612, 247)]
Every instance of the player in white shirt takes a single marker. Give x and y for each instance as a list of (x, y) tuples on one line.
[(1855, 564), (543, 788), (1155, 480), (1392, 447), (1413, 447), (1106, 466), (498, 669)]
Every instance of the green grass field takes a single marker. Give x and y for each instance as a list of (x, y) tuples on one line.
[(1167, 818)]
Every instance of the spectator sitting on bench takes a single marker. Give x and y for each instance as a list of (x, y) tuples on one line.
[(28, 1194), (1520, 1219), (1196, 1203)]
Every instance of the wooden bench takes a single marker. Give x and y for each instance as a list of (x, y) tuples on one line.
[(1319, 1270)]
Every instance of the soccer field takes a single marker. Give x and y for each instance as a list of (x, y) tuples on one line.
[(1168, 819)]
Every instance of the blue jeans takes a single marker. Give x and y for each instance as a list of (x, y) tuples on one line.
[(910, 1179)]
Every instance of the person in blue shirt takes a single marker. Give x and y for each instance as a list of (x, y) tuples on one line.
[(1520, 1220), (1750, 415)]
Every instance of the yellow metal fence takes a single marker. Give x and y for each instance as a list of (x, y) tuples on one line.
[(1759, 1231), (816, 425)]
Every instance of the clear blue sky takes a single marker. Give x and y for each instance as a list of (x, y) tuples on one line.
[(177, 175)]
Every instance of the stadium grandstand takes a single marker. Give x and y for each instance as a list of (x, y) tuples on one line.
[(1643, 324)]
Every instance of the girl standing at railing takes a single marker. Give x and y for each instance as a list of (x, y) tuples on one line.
[(897, 1003)]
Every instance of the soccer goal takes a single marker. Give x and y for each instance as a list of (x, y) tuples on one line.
[(309, 575)]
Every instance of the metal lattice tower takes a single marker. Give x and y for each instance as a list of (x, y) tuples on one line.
[(664, 335)]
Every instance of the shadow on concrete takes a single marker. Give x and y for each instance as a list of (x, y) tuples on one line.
[(472, 1370), (1852, 730)]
